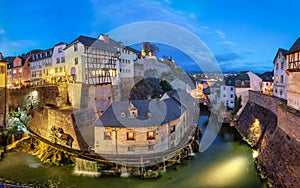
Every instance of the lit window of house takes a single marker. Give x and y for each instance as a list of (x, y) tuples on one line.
[(107, 135), (75, 47), (172, 129), (150, 135), (130, 135), (276, 78)]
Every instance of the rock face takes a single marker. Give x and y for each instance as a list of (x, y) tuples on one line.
[(271, 128)]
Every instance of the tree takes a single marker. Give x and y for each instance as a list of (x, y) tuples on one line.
[(149, 49), (237, 104)]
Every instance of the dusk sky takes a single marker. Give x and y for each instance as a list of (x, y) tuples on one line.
[(243, 35)]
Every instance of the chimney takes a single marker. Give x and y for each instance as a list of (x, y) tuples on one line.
[(1, 57), (106, 39)]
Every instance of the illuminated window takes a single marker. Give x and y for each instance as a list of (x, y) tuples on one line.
[(150, 135), (172, 129), (276, 78), (130, 135), (20, 70), (107, 135)]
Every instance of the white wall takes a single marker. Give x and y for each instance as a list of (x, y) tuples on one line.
[(280, 88), (293, 93), (70, 56)]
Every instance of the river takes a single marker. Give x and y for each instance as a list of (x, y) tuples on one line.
[(227, 162)]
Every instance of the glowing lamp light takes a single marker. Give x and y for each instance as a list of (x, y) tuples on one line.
[(34, 93), (51, 72), (254, 154)]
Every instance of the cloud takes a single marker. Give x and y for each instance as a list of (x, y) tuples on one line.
[(229, 56), (226, 43), (2, 31), (221, 34)]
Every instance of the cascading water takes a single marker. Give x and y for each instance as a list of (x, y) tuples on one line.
[(86, 167)]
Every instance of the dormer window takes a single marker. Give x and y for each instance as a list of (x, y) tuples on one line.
[(133, 112)]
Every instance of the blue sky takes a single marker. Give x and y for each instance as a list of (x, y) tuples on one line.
[(243, 35)]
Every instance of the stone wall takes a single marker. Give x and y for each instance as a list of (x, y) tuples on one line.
[(57, 126), (274, 130), (32, 96), (2, 106)]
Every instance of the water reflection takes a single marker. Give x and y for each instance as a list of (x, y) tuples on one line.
[(227, 162)]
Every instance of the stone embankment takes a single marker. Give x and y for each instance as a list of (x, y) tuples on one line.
[(273, 129)]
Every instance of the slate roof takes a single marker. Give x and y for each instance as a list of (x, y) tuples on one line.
[(162, 111), (267, 77), (242, 76), (295, 47), (230, 81), (283, 52)]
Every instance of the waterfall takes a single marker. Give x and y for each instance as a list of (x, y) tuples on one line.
[(191, 150), (86, 167), (124, 173)]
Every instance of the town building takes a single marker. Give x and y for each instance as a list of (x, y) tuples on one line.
[(19, 74), (280, 80), (293, 72), (58, 63), (41, 70), (132, 129), (267, 83)]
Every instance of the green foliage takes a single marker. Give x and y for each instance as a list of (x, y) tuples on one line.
[(17, 120), (165, 85), (237, 104)]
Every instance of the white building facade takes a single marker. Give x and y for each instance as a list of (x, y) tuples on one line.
[(40, 68), (280, 77), (58, 61)]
